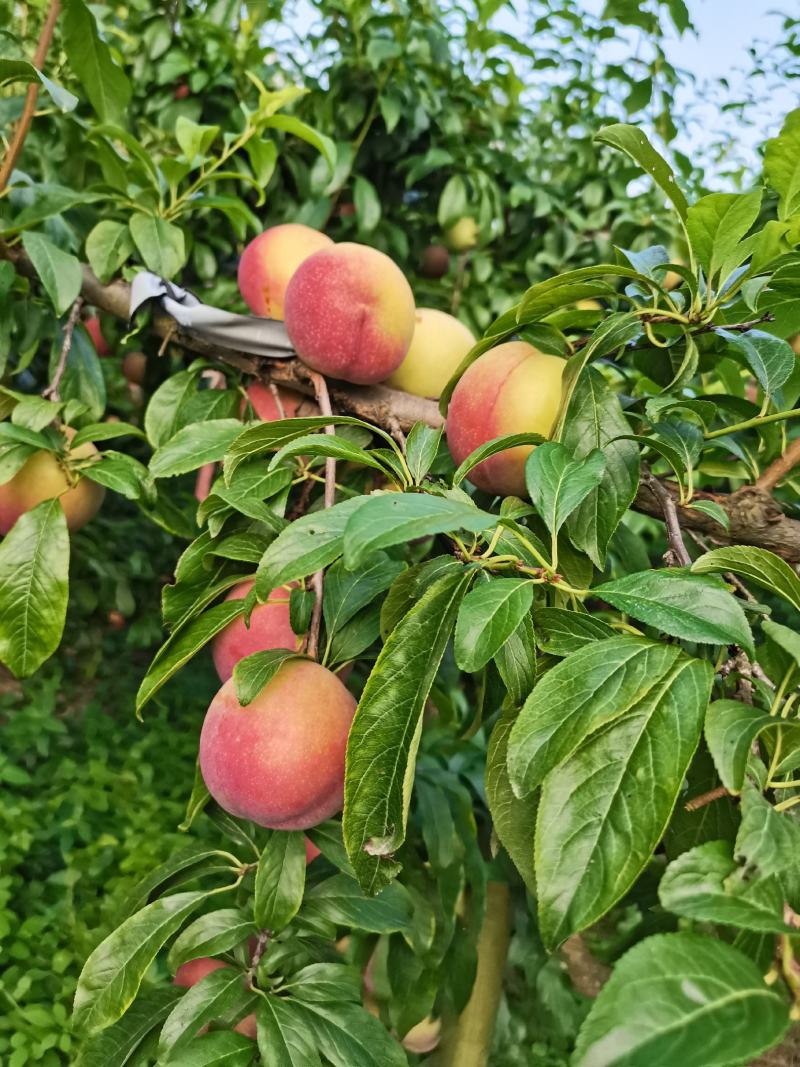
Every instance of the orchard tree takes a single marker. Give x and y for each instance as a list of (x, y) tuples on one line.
[(514, 641)]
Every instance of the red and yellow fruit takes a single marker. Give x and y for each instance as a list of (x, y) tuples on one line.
[(279, 761), (44, 476), (94, 329), (263, 402), (134, 367), (269, 628), (439, 344), (189, 974), (513, 388), (270, 260), (350, 313)]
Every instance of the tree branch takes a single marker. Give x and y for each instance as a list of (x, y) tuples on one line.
[(52, 391), (318, 581), (29, 108), (779, 468), (755, 518), (676, 555)]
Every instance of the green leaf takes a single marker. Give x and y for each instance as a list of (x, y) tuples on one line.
[(396, 518), (323, 444), (194, 446), (560, 632), (305, 546), (669, 1019), (348, 1036), (280, 880), (384, 737), (347, 592), (716, 224), (112, 974), (213, 997), (181, 867), (83, 377), (488, 616), (705, 884), (252, 673), (768, 842), (284, 1036), (118, 1044), (161, 420), (595, 420), (407, 589), (210, 935), (108, 246), (604, 809), (516, 662), (788, 640), (105, 431), (34, 577), (179, 648), (689, 606), (634, 143), (557, 483), (218, 1049), (105, 84), (123, 474), (160, 244), (342, 901), (754, 565), (194, 139), (731, 728), (514, 820), (324, 145), (59, 272), (588, 689), (367, 204), (714, 511), (422, 444), (326, 982), (493, 448), (770, 358), (782, 165)]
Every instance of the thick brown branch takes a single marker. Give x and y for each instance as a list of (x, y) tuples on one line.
[(29, 108), (779, 468)]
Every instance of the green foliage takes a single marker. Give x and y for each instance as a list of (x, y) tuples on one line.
[(538, 697)]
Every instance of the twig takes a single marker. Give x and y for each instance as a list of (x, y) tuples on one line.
[(706, 798), (29, 108), (324, 404), (258, 952), (744, 690), (779, 468), (458, 288), (51, 392), (276, 396), (676, 555)]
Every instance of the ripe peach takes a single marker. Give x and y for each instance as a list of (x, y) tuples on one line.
[(264, 404), (435, 262), (463, 234), (134, 367), (189, 974), (794, 341), (350, 313), (513, 388), (279, 761), (439, 344), (181, 91), (424, 1037), (94, 329), (311, 851), (269, 628), (270, 260), (42, 477)]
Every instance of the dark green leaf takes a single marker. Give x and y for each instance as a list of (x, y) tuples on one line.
[(557, 483), (342, 901), (105, 83), (681, 604), (634, 143), (211, 935), (209, 999), (219, 1049), (160, 244), (422, 444), (492, 448), (384, 737), (252, 673), (118, 1044), (60, 272), (560, 632), (34, 575), (669, 1019), (280, 880), (488, 616), (731, 728), (284, 1037), (194, 446), (754, 565), (514, 820)]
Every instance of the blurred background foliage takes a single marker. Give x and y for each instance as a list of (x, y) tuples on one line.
[(438, 112)]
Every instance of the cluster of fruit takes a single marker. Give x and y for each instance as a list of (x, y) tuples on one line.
[(350, 314)]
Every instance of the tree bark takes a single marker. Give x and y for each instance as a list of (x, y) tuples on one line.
[(468, 1042)]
